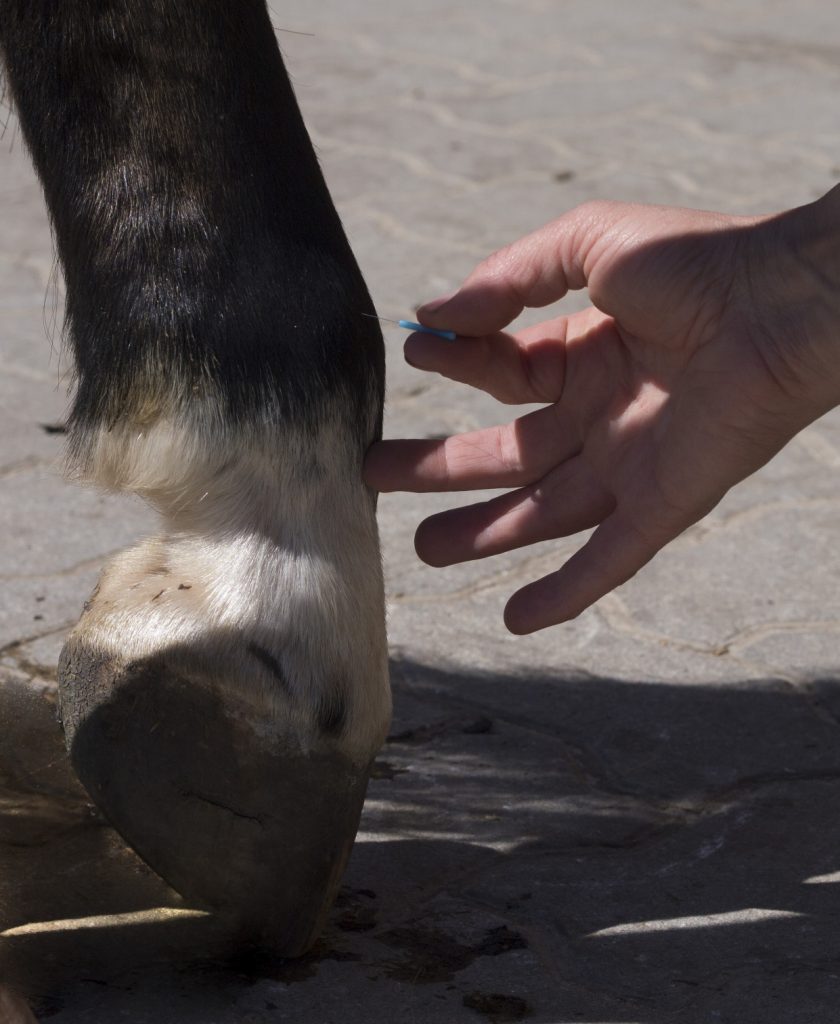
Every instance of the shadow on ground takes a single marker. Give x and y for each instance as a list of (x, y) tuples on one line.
[(556, 848)]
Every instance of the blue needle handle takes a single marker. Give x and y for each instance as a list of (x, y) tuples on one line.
[(410, 325)]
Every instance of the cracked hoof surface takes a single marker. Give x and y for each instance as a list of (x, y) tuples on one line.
[(235, 813)]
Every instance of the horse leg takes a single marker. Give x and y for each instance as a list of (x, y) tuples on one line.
[(225, 690)]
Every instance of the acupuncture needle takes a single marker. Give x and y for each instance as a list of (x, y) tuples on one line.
[(410, 325)]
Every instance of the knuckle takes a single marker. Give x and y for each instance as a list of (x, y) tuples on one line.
[(597, 209), (507, 452), (511, 272)]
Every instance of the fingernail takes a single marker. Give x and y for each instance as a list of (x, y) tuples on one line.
[(435, 304)]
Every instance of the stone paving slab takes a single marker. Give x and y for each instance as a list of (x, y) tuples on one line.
[(630, 819)]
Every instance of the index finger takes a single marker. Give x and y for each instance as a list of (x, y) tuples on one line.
[(534, 271)]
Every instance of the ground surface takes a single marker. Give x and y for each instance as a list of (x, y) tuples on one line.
[(632, 818)]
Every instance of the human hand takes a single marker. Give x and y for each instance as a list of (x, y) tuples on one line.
[(710, 342)]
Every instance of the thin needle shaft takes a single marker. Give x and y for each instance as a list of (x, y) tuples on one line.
[(410, 325)]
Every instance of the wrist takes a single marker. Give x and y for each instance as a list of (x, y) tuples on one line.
[(817, 236), (794, 278)]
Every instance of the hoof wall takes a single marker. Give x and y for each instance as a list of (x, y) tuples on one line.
[(227, 808)]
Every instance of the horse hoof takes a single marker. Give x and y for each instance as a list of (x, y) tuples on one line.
[(239, 817)]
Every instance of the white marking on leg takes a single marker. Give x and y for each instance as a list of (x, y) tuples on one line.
[(268, 569)]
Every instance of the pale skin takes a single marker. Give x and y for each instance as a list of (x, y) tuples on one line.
[(710, 342)]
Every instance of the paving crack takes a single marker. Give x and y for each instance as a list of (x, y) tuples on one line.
[(750, 635), (595, 772), (88, 563), (750, 516), (9, 649), (28, 667), (503, 577), (618, 616)]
